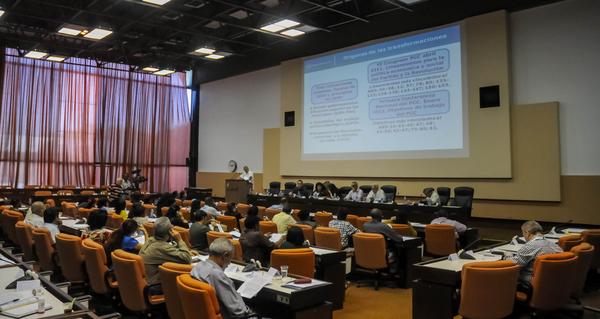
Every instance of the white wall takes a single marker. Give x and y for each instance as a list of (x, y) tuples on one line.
[(556, 57), (233, 114)]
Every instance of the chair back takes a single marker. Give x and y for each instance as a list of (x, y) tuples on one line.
[(352, 219), (114, 221), (68, 248), (212, 235), (178, 202), (168, 277), (229, 221), (289, 186), (266, 226), (9, 220), (402, 229), (87, 192), (369, 251), (360, 221), (148, 209), (198, 299), (550, 273), (569, 241), (261, 211), (85, 212), (366, 189), (274, 187), (44, 249), (300, 261), (222, 206), (390, 192), (308, 188), (149, 227), (592, 237), (242, 208), (440, 239), (185, 235), (164, 211), (238, 253), (585, 254), (95, 265), (50, 202), (343, 191), (444, 193), (271, 212), (65, 191), (323, 218), (307, 230), (130, 273), (477, 299), (187, 203), (463, 196), (186, 214), (328, 237), (25, 239), (129, 204), (69, 209), (42, 193)]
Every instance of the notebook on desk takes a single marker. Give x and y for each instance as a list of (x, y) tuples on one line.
[(24, 311)]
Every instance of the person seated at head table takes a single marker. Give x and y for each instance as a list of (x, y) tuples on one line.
[(125, 238), (441, 217), (376, 195), (355, 194), (175, 217), (51, 221), (97, 231), (120, 208), (255, 245), (299, 189), (211, 271), (294, 239), (321, 191), (200, 226), (138, 213), (432, 198), (210, 207), (164, 246), (534, 246), (345, 227), (331, 189), (35, 214), (401, 217), (304, 216), (283, 219)]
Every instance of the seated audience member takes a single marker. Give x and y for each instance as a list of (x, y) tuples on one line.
[(210, 207), (200, 226), (402, 218), (164, 246), (138, 213), (51, 221), (441, 217), (97, 231), (304, 216), (231, 211), (35, 215), (195, 206), (376, 195), (294, 239), (124, 238), (136, 198), (376, 226), (255, 245), (211, 271), (432, 198), (282, 204), (535, 246), (102, 204), (252, 211), (355, 194), (89, 203), (120, 208), (176, 218), (283, 219), (346, 229), (165, 200)]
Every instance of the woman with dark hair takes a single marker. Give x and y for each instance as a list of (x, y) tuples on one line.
[(138, 213), (252, 211), (255, 245), (294, 239), (176, 218), (195, 206), (102, 204), (120, 208), (321, 191), (123, 238), (97, 232), (304, 216)]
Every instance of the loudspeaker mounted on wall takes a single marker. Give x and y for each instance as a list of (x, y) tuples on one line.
[(289, 118), (489, 96)]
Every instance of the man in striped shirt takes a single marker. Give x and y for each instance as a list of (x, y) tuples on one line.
[(536, 245), (115, 191)]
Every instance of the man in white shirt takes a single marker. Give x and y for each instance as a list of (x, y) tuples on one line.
[(248, 176), (51, 222), (376, 195), (432, 197), (35, 215), (355, 194)]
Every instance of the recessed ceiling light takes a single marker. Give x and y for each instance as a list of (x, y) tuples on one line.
[(293, 32), (1, 13), (205, 50), (56, 58), (240, 14), (35, 54), (98, 34), (150, 69), (69, 31), (214, 56), (157, 2), (287, 23), (409, 1), (272, 28), (213, 25), (164, 72)]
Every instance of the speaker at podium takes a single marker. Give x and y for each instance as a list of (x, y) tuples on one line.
[(236, 190)]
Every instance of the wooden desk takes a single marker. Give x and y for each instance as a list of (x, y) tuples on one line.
[(331, 267)]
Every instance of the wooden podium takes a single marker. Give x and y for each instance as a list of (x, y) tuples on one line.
[(236, 190)]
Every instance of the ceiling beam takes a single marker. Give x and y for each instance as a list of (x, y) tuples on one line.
[(332, 9)]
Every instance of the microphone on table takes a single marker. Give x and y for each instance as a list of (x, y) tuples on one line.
[(462, 254), (29, 275), (556, 229)]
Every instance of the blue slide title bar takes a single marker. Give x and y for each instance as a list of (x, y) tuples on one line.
[(381, 50)]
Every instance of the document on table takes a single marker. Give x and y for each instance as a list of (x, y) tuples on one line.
[(313, 283), (257, 281), (275, 237)]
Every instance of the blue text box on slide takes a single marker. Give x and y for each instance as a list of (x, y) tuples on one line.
[(428, 103), (418, 64), (337, 91)]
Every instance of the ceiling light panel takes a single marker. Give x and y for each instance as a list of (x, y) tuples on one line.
[(35, 54), (164, 72), (293, 32), (98, 34), (157, 2), (150, 69), (56, 58), (205, 51), (214, 56)]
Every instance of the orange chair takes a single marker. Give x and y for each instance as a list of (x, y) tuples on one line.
[(114, 221), (148, 209), (187, 203), (440, 240), (168, 277), (87, 192), (300, 261), (309, 232), (569, 241), (229, 221), (261, 211), (44, 248), (238, 253), (477, 299), (242, 225), (222, 206), (361, 221), (328, 237), (186, 214), (593, 238), (198, 299), (352, 219), (178, 202), (271, 212), (164, 211), (24, 234), (242, 209), (370, 253), (185, 235), (42, 193), (65, 192), (266, 226), (128, 204), (69, 209), (50, 202), (9, 220), (68, 248), (131, 276), (85, 212), (549, 293), (322, 219), (403, 230), (212, 235), (149, 227), (585, 254), (95, 265)]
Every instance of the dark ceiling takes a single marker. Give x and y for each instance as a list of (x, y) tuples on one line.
[(164, 36)]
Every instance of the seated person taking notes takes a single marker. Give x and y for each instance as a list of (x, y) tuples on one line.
[(376, 195), (304, 216), (255, 245), (355, 194), (432, 198), (376, 226), (346, 229), (294, 239), (441, 217), (283, 219)]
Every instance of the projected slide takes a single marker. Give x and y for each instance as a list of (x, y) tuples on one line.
[(395, 99)]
